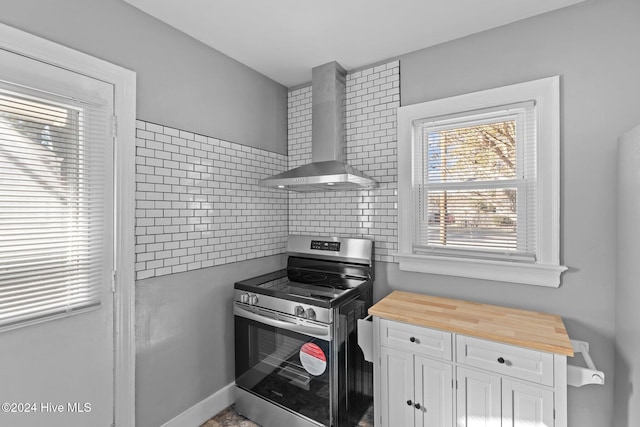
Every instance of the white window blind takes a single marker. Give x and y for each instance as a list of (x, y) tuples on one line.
[(52, 192), (475, 184)]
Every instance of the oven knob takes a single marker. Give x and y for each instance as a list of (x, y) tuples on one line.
[(311, 314), (253, 299), (300, 311), (244, 298)]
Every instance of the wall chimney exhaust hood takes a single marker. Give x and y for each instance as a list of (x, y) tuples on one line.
[(328, 169)]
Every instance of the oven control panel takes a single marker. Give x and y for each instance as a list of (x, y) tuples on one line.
[(263, 303), (323, 245), (308, 313), (251, 299)]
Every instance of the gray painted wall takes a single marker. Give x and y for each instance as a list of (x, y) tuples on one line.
[(626, 396), (594, 47), (184, 330), (181, 82), (184, 337)]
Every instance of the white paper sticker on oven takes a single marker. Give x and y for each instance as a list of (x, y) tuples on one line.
[(313, 359)]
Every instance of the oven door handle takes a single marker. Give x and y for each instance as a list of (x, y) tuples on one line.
[(316, 331)]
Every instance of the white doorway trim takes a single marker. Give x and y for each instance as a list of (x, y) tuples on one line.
[(124, 82)]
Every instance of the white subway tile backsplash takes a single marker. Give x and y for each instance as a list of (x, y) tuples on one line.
[(191, 189), (372, 98), (198, 204)]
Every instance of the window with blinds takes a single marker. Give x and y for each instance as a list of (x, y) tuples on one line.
[(479, 184), (474, 184), (52, 192)]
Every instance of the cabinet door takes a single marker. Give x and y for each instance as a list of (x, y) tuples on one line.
[(396, 384), (524, 405), (505, 359), (479, 399), (433, 393), (416, 339)]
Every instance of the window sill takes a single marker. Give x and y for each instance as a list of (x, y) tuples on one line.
[(502, 271)]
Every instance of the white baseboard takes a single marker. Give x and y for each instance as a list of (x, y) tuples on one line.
[(199, 413)]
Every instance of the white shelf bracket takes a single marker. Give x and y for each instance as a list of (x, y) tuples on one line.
[(578, 376)]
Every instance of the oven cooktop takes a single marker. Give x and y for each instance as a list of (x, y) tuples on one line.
[(322, 271), (316, 288)]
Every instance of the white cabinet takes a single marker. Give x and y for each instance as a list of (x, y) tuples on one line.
[(433, 382), (425, 341), (415, 390), (488, 400), (504, 359), (478, 399), (396, 387), (524, 405), (427, 377)]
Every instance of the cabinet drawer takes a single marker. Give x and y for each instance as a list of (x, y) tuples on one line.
[(505, 359), (417, 339)]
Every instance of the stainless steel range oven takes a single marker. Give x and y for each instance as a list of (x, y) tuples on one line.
[(297, 358)]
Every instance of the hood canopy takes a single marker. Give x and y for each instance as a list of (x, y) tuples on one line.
[(328, 169), (320, 176)]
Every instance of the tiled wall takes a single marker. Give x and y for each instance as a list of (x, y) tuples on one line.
[(198, 205), (373, 95)]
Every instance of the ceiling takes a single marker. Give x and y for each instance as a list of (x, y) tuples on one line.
[(284, 39)]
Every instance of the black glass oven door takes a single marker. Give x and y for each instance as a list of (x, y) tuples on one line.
[(288, 368)]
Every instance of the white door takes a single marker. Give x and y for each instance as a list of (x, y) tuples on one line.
[(433, 393), (479, 399), (60, 371), (526, 406), (396, 388)]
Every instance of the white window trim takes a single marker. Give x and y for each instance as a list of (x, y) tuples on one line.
[(124, 82), (546, 270)]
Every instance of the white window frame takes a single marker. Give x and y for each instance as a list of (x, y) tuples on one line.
[(546, 270), (124, 82)]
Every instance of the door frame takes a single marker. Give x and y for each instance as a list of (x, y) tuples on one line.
[(124, 82)]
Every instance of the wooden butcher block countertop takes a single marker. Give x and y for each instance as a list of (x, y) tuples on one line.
[(539, 331)]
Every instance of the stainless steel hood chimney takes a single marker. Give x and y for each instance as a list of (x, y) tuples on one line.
[(328, 169)]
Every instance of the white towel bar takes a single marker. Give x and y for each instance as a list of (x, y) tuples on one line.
[(578, 376)]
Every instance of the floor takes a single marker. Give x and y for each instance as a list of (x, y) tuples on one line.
[(229, 418)]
